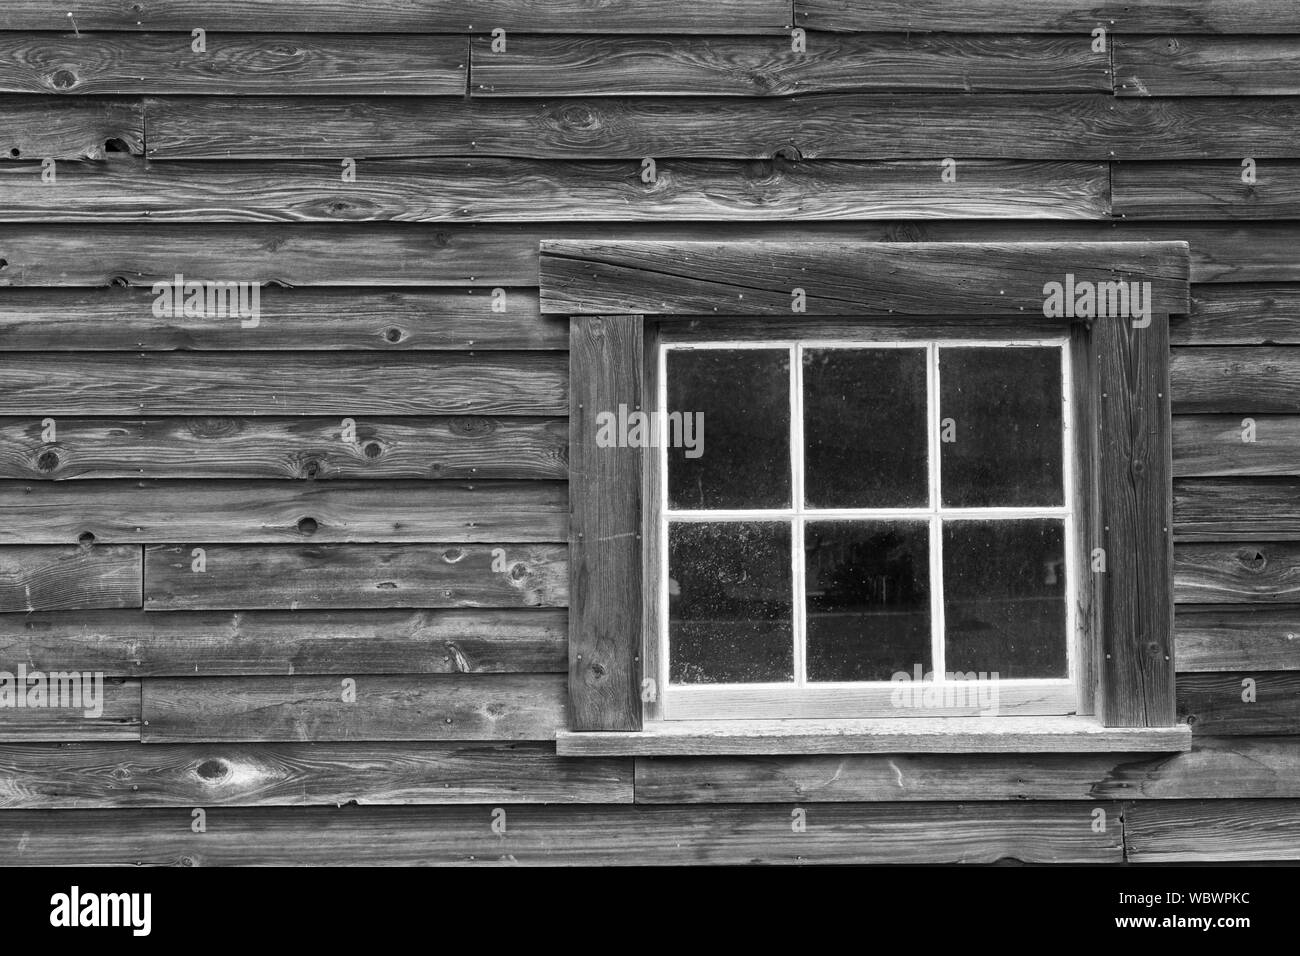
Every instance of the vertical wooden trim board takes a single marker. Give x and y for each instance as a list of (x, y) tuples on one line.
[(1135, 474), (605, 355)]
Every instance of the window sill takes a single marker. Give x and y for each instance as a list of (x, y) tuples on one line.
[(1069, 734)]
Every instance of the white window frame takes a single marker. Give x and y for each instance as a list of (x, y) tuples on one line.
[(830, 700)]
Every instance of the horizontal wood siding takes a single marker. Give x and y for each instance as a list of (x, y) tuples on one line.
[(229, 520), (558, 836)]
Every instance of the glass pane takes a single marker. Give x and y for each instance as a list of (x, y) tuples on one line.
[(740, 402), (1000, 426), (729, 602), (865, 443), (868, 592), (1004, 597)]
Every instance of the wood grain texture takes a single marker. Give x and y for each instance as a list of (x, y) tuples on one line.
[(1237, 573), (280, 383), (1236, 445), (489, 190), (356, 576), (1207, 65), (86, 776), (1206, 190), (303, 319), (410, 16), (1051, 16), (279, 447), (901, 735), (387, 707), (1248, 314), (1134, 468), (1083, 126), (56, 579), (215, 643), (119, 718), (1243, 831), (1223, 509), (559, 836), (1213, 704), (506, 255), (1236, 379), (337, 255), (1237, 638), (277, 511), (312, 64), (1219, 767), (742, 66), (605, 368), (39, 128), (758, 278)]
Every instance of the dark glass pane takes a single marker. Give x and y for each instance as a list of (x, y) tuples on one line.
[(741, 399), (865, 441), (868, 598), (1002, 446), (1004, 597), (729, 603)]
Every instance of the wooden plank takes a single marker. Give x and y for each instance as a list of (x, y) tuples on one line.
[(277, 511), (215, 643), (489, 190), (279, 383), (356, 576), (553, 836), (280, 447), (1237, 638), (605, 367), (386, 707), (506, 255), (1051, 16), (1207, 65), (87, 776), (335, 255), (412, 16), (57, 579), (740, 66), (39, 128), (591, 277), (903, 735), (1248, 380), (1213, 704), (1076, 126), (313, 64), (1213, 831), (1260, 509), (1254, 572), (302, 319), (1206, 190), (118, 703), (1236, 445), (1251, 314), (1219, 767), (1134, 467)]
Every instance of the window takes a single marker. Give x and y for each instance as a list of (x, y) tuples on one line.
[(802, 471), (842, 524)]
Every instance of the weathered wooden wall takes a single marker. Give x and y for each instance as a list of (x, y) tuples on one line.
[(424, 558)]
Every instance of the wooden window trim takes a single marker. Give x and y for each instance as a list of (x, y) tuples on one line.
[(611, 289)]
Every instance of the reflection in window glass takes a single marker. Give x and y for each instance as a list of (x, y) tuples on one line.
[(1002, 419), (742, 398), (865, 438), (868, 598), (1004, 597), (729, 602)]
